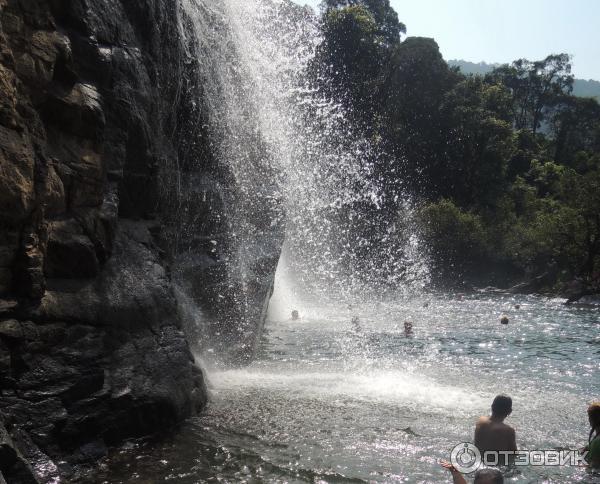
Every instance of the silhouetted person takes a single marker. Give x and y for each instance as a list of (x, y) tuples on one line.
[(295, 315), (491, 433), (593, 446), (483, 476), (408, 328)]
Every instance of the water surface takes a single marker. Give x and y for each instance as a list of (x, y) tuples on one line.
[(327, 401)]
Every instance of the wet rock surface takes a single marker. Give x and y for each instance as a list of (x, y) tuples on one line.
[(92, 348)]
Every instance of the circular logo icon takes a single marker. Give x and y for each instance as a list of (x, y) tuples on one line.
[(466, 458)]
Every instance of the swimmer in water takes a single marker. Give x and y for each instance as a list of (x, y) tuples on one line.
[(491, 433), (295, 315), (408, 328), (356, 323), (504, 319)]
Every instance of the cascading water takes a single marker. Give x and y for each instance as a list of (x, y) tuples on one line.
[(293, 153)]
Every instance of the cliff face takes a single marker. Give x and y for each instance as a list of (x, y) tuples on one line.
[(96, 167)]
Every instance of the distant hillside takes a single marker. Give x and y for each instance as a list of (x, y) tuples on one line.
[(467, 67), (581, 87), (584, 88)]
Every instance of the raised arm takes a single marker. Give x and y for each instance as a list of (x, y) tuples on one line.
[(457, 477)]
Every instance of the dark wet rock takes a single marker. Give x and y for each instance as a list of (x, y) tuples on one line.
[(91, 345), (583, 296), (16, 176), (14, 465), (101, 361), (593, 299), (70, 252), (543, 281)]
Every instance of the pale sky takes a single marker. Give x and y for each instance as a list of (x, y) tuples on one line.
[(505, 30)]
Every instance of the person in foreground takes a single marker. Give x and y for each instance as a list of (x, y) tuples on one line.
[(491, 433), (482, 476), (593, 446)]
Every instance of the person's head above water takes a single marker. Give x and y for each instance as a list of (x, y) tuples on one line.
[(594, 415), (295, 314), (488, 476), (502, 406)]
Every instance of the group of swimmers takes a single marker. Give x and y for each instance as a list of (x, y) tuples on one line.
[(492, 434), (408, 325)]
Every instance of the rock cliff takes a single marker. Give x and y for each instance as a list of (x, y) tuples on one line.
[(105, 166)]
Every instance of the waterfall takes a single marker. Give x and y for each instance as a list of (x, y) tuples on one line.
[(292, 156)]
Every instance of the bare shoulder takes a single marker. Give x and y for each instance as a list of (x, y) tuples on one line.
[(483, 421)]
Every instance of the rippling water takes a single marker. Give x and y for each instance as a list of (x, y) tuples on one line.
[(327, 401)]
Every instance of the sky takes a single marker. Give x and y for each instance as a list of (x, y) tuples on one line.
[(504, 30)]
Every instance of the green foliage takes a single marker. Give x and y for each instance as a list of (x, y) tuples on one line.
[(576, 130), (536, 87), (480, 142), (388, 26), (456, 239), (359, 37), (506, 166)]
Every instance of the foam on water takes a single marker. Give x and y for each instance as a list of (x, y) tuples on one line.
[(389, 387)]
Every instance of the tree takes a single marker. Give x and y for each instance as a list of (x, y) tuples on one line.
[(456, 239), (359, 37), (415, 85), (479, 143), (388, 26), (581, 194), (576, 128), (349, 59), (536, 87)]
